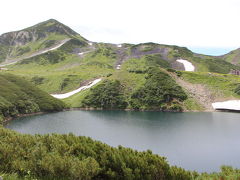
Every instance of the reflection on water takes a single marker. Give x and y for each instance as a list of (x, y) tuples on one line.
[(195, 141)]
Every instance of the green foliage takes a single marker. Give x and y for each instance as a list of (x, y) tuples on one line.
[(156, 60), (136, 66), (143, 64), (23, 50), (160, 92), (107, 95), (218, 65), (105, 50), (191, 104), (144, 47), (226, 173), (3, 52), (64, 83), (37, 80), (49, 43), (51, 57), (221, 85), (237, 90), (72, 44), (17, 96), (71, 157)]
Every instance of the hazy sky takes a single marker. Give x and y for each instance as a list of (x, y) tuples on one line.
[(210, 26)]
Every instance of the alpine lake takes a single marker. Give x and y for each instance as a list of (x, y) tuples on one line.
[(201, 141)]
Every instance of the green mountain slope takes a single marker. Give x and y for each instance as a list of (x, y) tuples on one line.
[(233, 57), (18, 96), (19, 44), (79, 61)]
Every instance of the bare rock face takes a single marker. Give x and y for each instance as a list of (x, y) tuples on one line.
[(16, 38)]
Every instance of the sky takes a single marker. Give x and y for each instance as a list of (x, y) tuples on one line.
[(204, 26)]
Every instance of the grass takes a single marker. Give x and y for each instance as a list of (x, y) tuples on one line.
[(75, 101), (60, 71), (221, 84), (18, 96), (73, 67), (191, 104)]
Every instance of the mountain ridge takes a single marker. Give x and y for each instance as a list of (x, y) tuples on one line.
[(126, 67), (32, 33)]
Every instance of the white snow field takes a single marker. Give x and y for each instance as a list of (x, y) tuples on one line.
[(187, 65), (66, 95), (228, 105)]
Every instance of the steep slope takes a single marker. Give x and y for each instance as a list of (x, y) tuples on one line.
[(17, 96), (232, 57), (38, 38)]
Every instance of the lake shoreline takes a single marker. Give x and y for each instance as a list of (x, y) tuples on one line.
[(8, 119), (165, 133)]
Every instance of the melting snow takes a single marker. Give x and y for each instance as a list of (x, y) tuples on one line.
[(187, 65), (118, 66), (66, 95), (228, 105)]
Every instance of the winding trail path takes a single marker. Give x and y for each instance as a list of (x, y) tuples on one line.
[(14, 61), (66, 95)]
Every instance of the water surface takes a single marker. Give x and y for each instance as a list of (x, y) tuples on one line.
[(194, 141)]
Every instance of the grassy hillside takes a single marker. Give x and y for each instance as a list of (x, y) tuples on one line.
[(19, 44), (78, 61), (61, 70), (233, 57), (222, 85), (152, 90), (18, 96)]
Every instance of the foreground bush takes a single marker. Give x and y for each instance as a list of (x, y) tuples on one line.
[(71, 157)]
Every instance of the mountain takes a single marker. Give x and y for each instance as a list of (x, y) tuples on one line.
[(48, 34), (232, 57), (142, 76), (18, 96)]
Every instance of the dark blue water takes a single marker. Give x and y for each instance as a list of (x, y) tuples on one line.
[(195, 141)]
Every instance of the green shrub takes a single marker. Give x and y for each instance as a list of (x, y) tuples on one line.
[(237, 90), (18, 96), (158, 91), (71, 157), (107, 95), (37, 80)]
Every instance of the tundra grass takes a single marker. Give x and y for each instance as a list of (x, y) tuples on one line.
[(220, 84), (73, 69)]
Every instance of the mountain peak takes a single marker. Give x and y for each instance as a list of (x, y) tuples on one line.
[(50, 31)]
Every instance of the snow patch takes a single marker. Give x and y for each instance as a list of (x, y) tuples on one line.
[(118, 67), (66, 95), (187, 65), (90, 43), (228, 105), (119, 45)]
